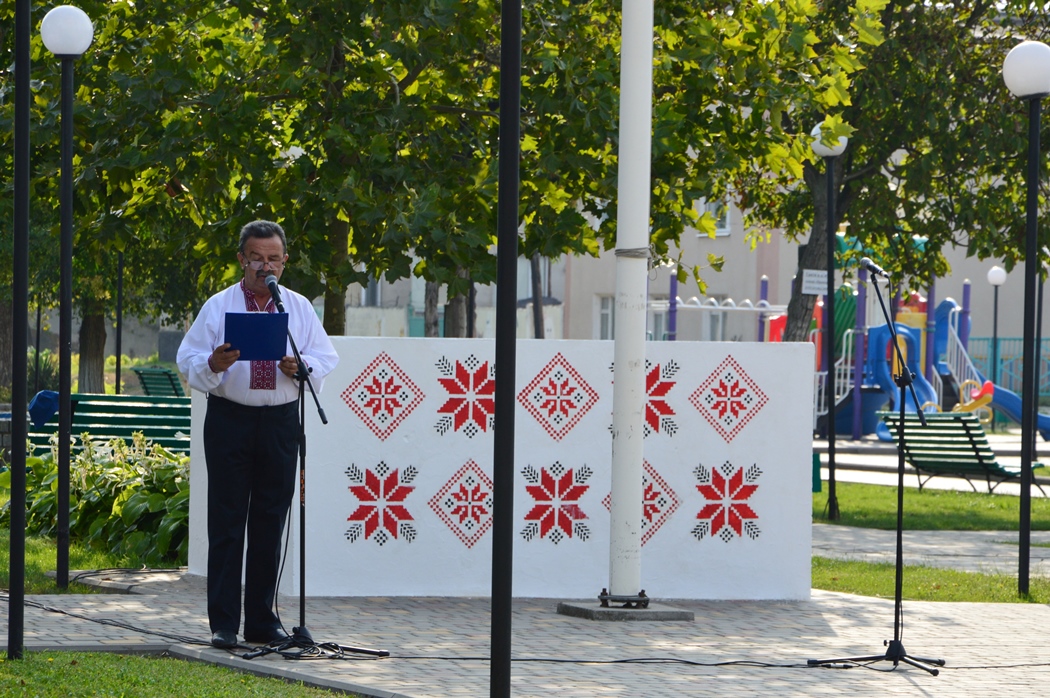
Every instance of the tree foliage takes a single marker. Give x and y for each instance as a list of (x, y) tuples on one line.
[(935, 152), (370, 131)]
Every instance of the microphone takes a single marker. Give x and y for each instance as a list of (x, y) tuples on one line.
[(271, 283), (873, 268)]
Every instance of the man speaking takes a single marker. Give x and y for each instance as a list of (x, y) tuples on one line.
[(251, 435)]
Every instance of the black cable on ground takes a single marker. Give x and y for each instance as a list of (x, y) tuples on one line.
[(294, 650)]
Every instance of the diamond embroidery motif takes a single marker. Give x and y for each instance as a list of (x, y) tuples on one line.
[(558, 397), (382, 396), (556, 513), (728, 399), (727, 513), (381, 514), (471, 402), (464, 503), (659, 501)]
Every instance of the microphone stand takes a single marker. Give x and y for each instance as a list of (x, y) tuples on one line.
[(895, 651), (301, 636)]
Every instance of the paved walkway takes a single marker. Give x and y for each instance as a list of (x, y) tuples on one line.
[(439, 646)]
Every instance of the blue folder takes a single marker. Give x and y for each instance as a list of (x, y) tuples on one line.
[(258, 336)]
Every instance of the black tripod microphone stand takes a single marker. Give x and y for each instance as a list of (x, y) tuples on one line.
[(301, 637), (895, 651)]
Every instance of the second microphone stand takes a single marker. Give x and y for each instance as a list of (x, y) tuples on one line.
[(301, 639), (895, 651)]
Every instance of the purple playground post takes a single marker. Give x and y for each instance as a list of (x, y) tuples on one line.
[(860, 343), (964, 320), (763, 295), (931, 329), (672, 311)]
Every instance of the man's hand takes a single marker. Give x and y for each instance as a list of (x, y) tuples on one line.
[(288, 366), (223, 357)]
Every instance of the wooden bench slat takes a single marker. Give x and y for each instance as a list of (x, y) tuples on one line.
[(157, 380), (950, 443), (162, 420)]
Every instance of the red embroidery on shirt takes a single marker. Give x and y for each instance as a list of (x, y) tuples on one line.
[(263, 373)]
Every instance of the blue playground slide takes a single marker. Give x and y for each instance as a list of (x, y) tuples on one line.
[(878, 342), (1006, 401), (1009, 403)]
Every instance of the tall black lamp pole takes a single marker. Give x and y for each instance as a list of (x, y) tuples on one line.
[(1026, 72), (67, 33), (506, 350), (20, 321), (830, 153)]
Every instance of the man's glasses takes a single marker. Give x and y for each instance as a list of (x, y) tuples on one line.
[(257, 266)]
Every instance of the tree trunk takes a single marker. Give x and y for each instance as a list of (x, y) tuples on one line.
[(813, 256), (430, 309), (537, 297), (7, 340), (456, 317), (456, 311), (92, 353), (334, 292)]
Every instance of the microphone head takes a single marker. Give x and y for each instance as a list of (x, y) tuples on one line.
[(864, 262), (271, 280)]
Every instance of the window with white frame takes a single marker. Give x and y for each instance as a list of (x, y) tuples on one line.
[(720, 212), (606, 317)]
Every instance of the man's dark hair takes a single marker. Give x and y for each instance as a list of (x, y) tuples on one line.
[(262, 229)]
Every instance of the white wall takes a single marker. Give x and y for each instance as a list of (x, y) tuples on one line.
[(418, 459)]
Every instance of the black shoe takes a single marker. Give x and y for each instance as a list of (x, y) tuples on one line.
[(223, 639), (266, 637)]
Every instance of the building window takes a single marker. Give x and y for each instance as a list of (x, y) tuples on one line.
[(370, 293), (658, 332), (715, 326), (720, 212), (607, 318)]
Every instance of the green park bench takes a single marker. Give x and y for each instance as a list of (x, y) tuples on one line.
[(952, 444), (163, 420), (159, 381)]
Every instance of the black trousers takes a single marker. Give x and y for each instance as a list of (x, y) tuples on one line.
[(251, 454)]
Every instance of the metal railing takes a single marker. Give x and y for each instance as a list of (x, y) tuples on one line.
[(843, 377), (958, 361), (938, 388), (1010, 354)]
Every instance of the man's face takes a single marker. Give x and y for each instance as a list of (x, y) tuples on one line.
[(265, 253)]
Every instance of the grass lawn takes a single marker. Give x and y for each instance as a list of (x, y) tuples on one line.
[(40, 558), (72, 674), (875, 506), (923, 583)]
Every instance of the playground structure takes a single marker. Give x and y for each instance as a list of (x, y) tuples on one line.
[(934, 341)]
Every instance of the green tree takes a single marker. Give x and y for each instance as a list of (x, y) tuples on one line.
[(370, 132), (935, 142)]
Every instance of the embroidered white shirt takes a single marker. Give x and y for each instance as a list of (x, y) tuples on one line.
[(208, 330)]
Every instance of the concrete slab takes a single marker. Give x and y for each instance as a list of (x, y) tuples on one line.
[(592, 610)]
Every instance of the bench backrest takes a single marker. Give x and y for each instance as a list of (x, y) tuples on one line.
[(159, 381), (950, 441), (162, 420)]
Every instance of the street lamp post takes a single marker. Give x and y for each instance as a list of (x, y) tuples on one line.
[(996, 277), (66, 32), (1026, 72), (829, 153)]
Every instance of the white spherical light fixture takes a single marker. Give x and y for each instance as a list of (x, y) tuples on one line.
[(997, 276), (67, 31), (1026, 69), (823, 150)]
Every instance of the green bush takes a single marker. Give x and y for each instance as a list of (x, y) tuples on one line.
[(131, 500), (48, 370)]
